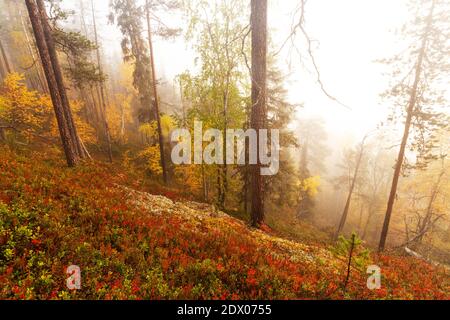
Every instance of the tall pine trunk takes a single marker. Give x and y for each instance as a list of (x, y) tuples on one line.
[(155, 94), (31, 49), (408, 123), (259, 79), (59, 79), (66, 138)]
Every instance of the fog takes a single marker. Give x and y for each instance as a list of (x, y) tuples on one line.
[(348, 38)]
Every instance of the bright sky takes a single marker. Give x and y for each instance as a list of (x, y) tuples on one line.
[(350, 35)]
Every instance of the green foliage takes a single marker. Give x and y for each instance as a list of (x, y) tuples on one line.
[(360, 255), (218, 93), (129, 16), (77, 49), (420, 80), (282, 189)]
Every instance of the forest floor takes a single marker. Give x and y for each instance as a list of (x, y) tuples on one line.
[(132, 244)]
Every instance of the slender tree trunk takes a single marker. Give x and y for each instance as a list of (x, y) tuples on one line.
[(122, 123), (246, 198), (205, 194), (409, 117), (2, 134), (259, 87), (305, 204), (95, 106), (219, 188), (82, 96), (361, 214), (207, 185), (66, 138), (349, 264), (182, 104), (3, 72), (226, 98), (370, 214), (59, 79), (90, 104), (102, 90), (155, 94), (222, 185), (31, 82), (225, 116), (82, 18), (5, 58), (350, 194), (247, 173), (38, 68), (224, 171)]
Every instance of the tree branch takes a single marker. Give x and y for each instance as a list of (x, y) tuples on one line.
[(300, 25)]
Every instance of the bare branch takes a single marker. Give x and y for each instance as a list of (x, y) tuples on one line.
[(300, 26)]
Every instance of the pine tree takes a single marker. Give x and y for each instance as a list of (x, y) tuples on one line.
[(129, 15), (51, 48), (37, 22), (419, 89), (155, 93)]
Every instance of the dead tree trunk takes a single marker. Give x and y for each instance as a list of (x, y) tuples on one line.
[(66, 138), (259, 88), (155, 94), (408, 122)]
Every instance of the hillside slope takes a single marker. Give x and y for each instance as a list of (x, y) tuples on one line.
[(131, 244)]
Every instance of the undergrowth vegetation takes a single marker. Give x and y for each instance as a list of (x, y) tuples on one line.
[(52, 217)]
